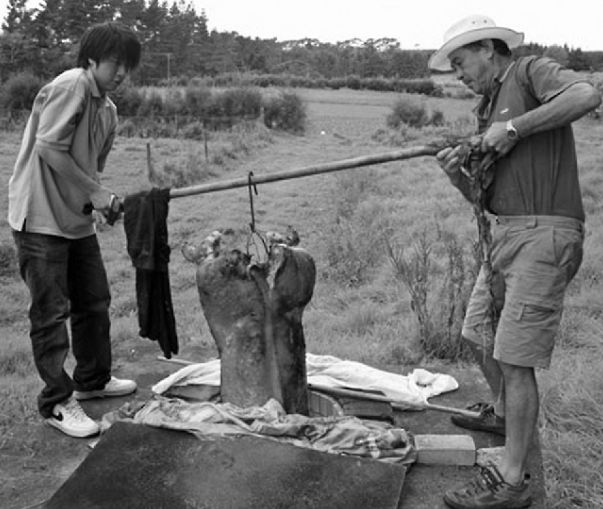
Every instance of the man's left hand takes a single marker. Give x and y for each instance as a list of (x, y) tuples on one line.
[(496, 139)]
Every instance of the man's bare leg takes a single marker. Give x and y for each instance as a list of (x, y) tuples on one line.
[(492, 372), (521, 393)]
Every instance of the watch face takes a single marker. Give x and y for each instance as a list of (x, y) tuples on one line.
[(511, 131)]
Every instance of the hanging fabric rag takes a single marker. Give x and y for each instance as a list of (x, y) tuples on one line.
[(145, 224)]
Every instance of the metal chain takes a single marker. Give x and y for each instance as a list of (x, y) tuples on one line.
[(254, 233)]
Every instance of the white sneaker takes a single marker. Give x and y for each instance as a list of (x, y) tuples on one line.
[(69, 417), (114, 387)]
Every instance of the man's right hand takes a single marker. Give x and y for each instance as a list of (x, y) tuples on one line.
[(449, 160), (101, 199), (108, 204)]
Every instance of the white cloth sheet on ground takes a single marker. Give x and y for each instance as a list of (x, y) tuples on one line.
[(337, 435), (406, 391)]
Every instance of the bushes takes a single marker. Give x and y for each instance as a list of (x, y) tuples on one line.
[(19, 91), (128, 100), (286, 112), (196, 99), (439, 276), (353, 236), (413, 114), (423, 86), (8, 261), (173, 111), (236, 102), (196, 108)]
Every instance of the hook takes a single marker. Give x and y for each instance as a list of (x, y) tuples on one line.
[(250, 185)]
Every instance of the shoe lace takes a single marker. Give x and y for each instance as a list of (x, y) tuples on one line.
[(75, 411), (480, 407), (485, 481)]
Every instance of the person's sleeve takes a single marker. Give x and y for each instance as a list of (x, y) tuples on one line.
[(59, 117), (547, 78)]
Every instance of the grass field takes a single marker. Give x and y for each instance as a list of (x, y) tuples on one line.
[(360, 310)]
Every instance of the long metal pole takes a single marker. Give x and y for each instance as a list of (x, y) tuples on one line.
[(406, 153)]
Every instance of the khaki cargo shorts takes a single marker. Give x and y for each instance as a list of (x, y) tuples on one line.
[(533, 259)]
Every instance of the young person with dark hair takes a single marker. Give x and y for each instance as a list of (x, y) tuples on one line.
[(54, 187)]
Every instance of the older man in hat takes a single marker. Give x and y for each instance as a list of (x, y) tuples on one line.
[(523, 117)]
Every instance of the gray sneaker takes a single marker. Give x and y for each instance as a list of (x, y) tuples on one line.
[(486, 421), (69, 417), (114, 387), (488, 490)]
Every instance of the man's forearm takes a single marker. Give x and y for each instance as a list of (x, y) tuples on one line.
[(570, 105)]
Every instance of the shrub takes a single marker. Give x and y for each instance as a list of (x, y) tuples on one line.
[(8, 261), (286, 112), (353, 82), (379, 84), (439, 290), (151, 106), (173, 103), (127, 128), (127, 99), (353, 246), (193, 131), (196, 100), (407, 112), (19, 91), (237, 102), (437, 118), (353, 237)]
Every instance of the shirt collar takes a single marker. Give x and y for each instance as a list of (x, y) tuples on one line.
[(483, 110), (503, 75), (93, 86)]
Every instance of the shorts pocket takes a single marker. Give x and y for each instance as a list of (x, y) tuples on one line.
[(537, 313), (568, 248)]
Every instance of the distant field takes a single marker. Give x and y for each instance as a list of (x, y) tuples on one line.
[(359, 311)]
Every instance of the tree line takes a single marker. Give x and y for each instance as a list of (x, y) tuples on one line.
[(177, 43)]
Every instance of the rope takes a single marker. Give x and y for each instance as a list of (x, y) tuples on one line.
[(477, 164)]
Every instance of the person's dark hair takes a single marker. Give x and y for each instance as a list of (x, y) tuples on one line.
[(498, 45), (501, 47), (108, 40)]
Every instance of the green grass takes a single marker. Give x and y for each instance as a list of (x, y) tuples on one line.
[(359, 311)]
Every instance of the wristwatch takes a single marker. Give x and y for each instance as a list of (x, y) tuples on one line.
[(512, 133)]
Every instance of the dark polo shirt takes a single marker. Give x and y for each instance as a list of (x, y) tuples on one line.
[(540, 175)]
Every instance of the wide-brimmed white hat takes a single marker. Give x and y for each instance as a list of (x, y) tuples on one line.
[(471, 29)]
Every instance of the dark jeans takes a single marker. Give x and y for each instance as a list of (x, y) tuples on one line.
[(66, 280)]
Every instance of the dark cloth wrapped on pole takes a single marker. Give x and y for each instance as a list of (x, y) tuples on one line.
[(145, 224)]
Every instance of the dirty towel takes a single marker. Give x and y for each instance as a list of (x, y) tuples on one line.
[(337, 435), (408, 391)]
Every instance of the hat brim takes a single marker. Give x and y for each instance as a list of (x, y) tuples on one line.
[(439, 60)]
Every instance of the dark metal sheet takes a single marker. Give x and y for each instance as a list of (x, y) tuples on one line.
[(135, 466)]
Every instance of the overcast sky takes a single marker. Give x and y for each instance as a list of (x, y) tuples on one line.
[(415, 23)]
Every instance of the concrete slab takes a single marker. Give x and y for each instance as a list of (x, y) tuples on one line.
[(424, 485), (138, 467)]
